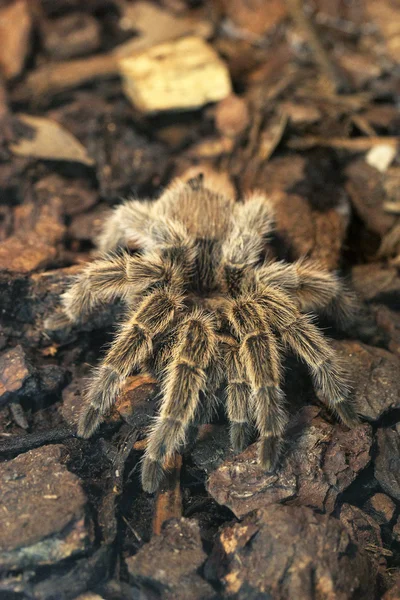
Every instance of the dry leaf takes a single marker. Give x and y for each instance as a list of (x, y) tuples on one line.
[(51, 142)]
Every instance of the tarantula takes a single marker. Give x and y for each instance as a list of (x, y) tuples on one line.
[(207, 308)]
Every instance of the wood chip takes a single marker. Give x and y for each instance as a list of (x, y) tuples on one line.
[(15, 32), (179, 75), (51, 141)]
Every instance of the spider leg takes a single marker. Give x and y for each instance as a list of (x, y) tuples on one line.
[(305, 339), (120, 229), (237, 396), (241, 250), (104, 280), (259, 356), (313, 286), (123, 275), (131, 347), (185, 378)]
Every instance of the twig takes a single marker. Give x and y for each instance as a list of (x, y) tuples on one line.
[(23, 443), (340, 83), (355, 144), (59, 77), (169, 499), (135, 533)]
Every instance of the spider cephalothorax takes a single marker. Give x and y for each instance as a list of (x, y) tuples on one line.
[(207, 310)]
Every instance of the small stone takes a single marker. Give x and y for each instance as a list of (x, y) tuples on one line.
[(381, 508), (320, 465), (179, 75), (15, 33), (14, 372), (18, 415), (374, 374), (381, 156), (286, 552), (170, 563), (232, 116), (387, 463), (44, 518)]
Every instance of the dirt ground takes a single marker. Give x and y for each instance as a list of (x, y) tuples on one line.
[(108, 99)]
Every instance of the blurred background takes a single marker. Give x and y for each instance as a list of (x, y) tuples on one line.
[(114, 98)]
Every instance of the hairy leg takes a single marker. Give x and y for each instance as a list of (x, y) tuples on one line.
[(305, 339), (241, 251), (121, 228), (259, 356), (103, 280), (238, 393), (130, 349), (123, 275), (315, 288), (185, 378)]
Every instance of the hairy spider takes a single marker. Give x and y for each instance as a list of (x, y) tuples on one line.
[(207, 309)]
